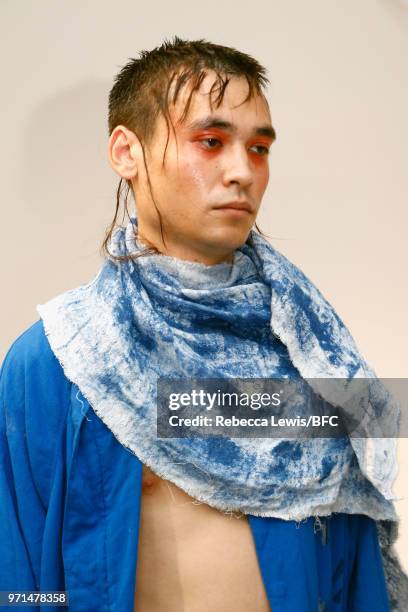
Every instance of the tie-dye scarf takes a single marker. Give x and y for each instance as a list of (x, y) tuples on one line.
[(257, 317)]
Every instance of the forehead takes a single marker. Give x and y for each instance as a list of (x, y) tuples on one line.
[(233, 107)]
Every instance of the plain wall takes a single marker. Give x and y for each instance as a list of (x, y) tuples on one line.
[(336, 204)]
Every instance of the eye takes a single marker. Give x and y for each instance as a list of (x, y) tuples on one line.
[(210, 140), (263, 150)]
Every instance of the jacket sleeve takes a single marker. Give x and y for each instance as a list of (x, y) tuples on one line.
[(30, 389)]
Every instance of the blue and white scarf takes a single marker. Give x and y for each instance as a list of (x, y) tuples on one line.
[(257, 317)]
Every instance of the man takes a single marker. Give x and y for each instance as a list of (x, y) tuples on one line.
[(185, 291), (209, 191)]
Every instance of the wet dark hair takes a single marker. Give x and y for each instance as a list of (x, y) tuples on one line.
[(141, 91)]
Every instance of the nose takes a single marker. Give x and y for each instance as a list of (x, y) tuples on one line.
[(237, 167)]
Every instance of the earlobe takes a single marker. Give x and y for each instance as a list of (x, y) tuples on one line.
[(123, 152)]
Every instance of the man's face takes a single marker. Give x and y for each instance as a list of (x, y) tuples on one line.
[(220, 158)]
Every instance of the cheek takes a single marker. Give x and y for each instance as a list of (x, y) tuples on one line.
[(262, 176), (197, 177)]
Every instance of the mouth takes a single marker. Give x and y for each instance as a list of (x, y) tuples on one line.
[(235, 208)]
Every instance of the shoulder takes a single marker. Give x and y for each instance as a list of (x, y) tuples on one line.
[(33, 386), (30, 355), (35, 399)]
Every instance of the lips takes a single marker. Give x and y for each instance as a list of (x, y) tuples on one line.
[(238, 205)]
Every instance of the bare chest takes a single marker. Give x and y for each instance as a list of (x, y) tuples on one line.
[(192, 557)]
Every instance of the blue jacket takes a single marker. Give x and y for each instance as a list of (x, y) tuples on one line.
[(70, 505)]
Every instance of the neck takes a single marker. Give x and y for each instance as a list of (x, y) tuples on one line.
[(186, 253)]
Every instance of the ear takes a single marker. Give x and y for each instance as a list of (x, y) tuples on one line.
[(124, 152)]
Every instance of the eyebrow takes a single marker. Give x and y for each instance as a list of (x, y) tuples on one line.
[(216, 122)]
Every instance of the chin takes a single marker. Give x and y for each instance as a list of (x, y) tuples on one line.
[(229, 242)]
